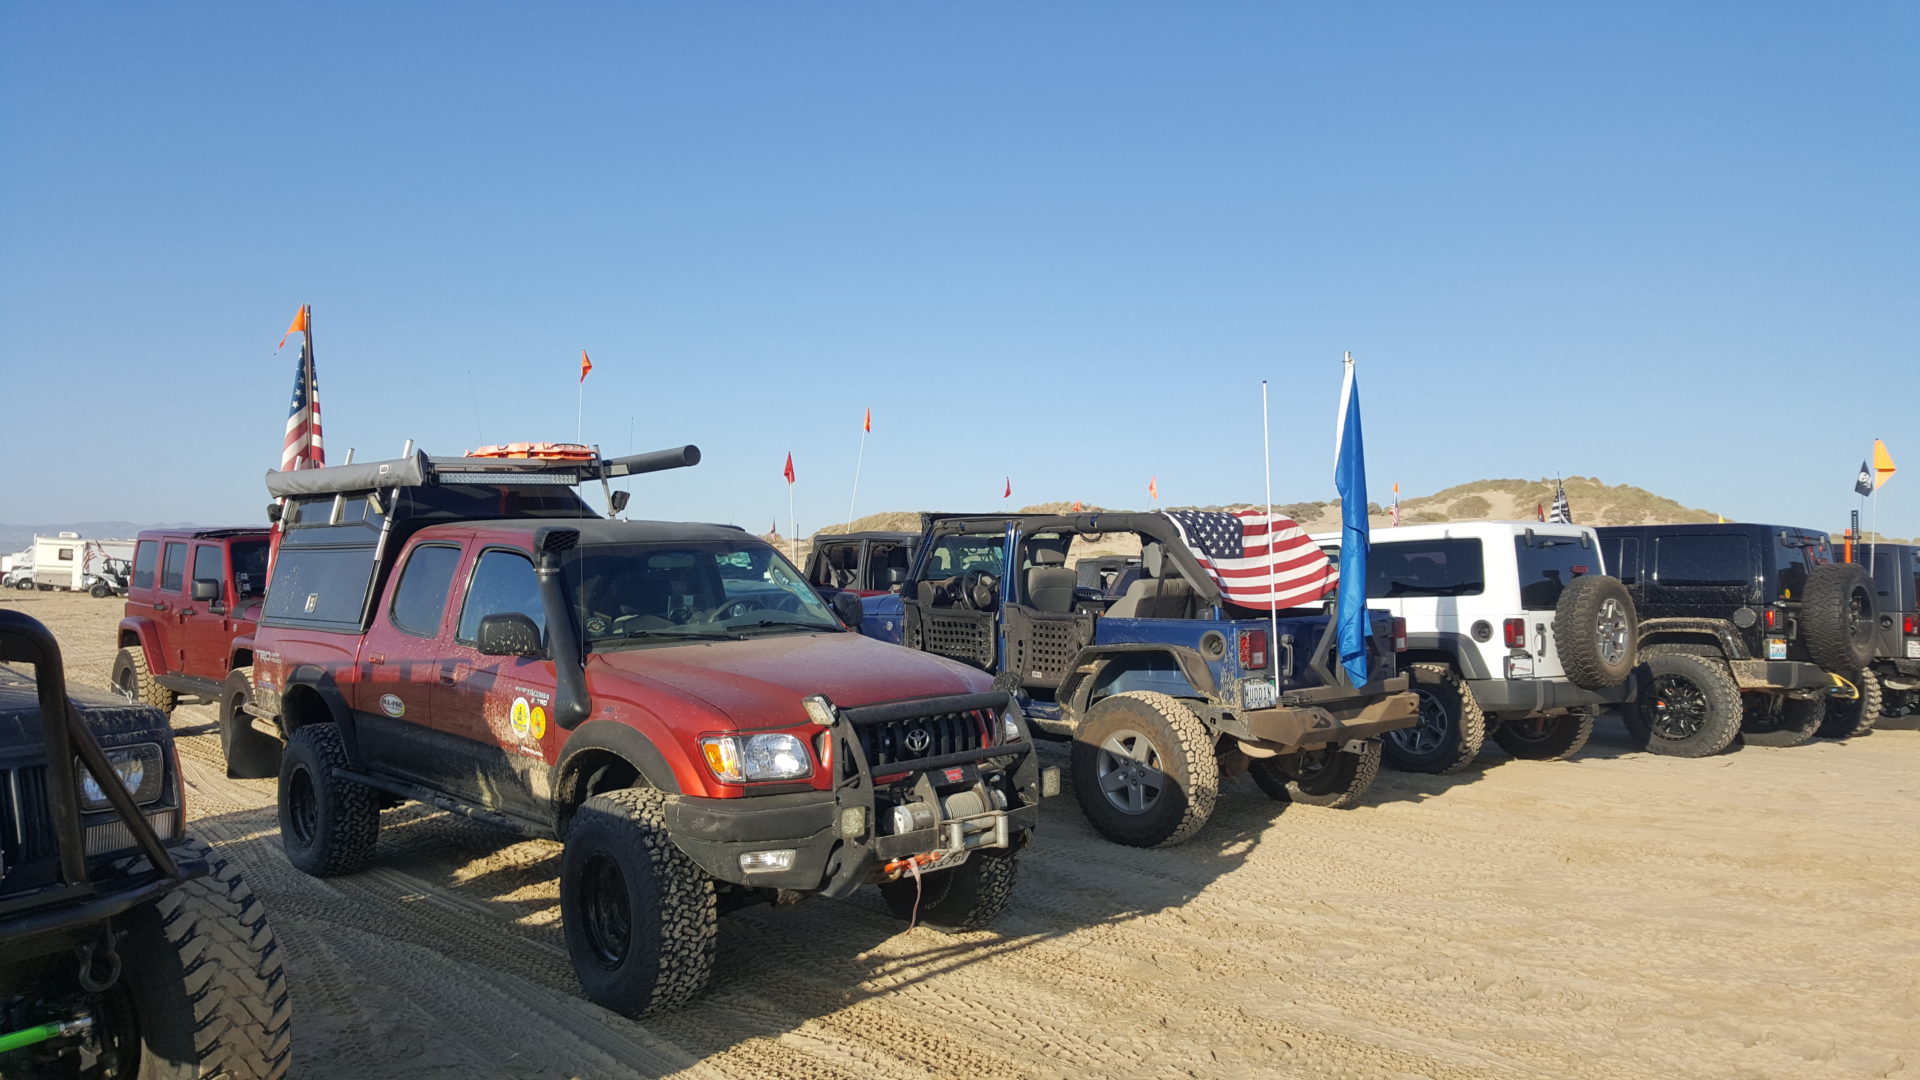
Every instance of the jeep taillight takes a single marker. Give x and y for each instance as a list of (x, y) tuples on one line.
[(1773, 618), (1908, 627), (1516, 633), (1399, 635), (1253, 649)]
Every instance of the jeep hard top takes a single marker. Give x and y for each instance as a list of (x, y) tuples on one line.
[(671, 700), (1513, 630), (1895, 569), (862, 563), (1161, 688), (1746, 631), (193, 597), (127, 949)]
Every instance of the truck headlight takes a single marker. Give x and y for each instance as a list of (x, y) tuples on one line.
[(1010, 725), (141, 772), (767, 756)]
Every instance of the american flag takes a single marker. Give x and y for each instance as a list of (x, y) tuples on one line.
[(1258, 561), (1562, 510), (304, 448)]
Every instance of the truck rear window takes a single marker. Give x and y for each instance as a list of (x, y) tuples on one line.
[(1546, 564), (1446, 567), (1707, 559)]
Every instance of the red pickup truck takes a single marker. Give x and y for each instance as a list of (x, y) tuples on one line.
[(671, 700), (191, 605)]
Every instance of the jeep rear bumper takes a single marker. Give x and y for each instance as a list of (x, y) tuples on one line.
[(975, 799), (1320, 715), (1778, 675), (1527, 696), (1898, 673)]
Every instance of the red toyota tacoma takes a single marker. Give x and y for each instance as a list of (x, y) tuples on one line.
[(670, 700)]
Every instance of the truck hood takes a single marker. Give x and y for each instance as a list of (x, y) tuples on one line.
[(760, 681)]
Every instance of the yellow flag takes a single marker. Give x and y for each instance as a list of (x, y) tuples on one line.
[(1882, 464)]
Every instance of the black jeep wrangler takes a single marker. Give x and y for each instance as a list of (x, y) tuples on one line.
[(1746, 631), (1896, 640), (126, 949)]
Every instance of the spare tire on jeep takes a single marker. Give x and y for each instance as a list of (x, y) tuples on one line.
[(1596, 631), (1836, 617)]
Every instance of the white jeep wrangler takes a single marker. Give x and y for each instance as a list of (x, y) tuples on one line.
[(1513, 629)]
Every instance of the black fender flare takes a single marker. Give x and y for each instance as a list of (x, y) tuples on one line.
[(320, 681), (145, 637), (1459, 647), (1088, 665), (628, 743)]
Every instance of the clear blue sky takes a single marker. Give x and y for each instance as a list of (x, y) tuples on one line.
[(1670, 245)]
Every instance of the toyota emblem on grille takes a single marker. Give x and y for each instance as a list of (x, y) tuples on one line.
[(918, 739)]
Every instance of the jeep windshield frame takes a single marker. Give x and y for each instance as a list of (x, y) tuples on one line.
[(664, 592)]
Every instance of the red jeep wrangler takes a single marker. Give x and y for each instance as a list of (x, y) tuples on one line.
[(671, 700), (191, 604)]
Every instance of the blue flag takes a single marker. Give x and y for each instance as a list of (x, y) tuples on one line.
[(1350, 477)]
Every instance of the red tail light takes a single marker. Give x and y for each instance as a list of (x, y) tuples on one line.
[(1399, 635), (1774, 618), (1908, 627), (1516, 633), (1253, 649)]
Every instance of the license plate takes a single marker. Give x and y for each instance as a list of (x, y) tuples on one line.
[(946, 862), (1776, 648), (1913, 650), (1257, 694), (1519, 667)]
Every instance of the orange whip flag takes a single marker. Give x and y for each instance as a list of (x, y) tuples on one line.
[(1076, 506), (1008, 494), (1153, 489), (788, 471), (586, 365), (1882, 464), (869, 424), (298, 326)]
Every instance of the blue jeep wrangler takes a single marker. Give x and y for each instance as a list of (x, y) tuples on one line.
[(1162, 683)]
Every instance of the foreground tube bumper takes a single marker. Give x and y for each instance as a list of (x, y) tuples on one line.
[(1332, 714)]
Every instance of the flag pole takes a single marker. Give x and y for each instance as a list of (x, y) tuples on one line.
[(856, 476), (1273, 612), (580, 411), (793, 527)]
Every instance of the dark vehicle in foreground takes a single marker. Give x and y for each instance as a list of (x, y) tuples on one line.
[(1749, 632), (671, 701), (1163, 689), (1895, 569), (193, 599), (127, 949)]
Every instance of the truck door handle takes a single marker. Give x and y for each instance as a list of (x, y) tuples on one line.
[(159, 605), (446, 676), (377, 658)]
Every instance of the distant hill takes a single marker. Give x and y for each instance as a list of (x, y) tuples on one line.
[(20, 537)]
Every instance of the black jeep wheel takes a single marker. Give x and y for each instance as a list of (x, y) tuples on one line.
[(202, 992), (251, 754), (968, 897), (1144, 771), (1325, 776), (1545, 738), (1778, 720), (1688, 705), (1595, 629), (1849, 719), (1449, 731), (1837, 616), (328, 825), (100, 590), (639, 917), (134, 680)]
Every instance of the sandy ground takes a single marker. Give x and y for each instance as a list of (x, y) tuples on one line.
[(1619, 915)]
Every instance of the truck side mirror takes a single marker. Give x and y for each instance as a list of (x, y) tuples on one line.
[(206, 589), (509, 634), (618, 502), (896, 577), (848, 607)]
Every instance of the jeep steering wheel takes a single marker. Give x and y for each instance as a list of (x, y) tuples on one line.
[(979, 590)]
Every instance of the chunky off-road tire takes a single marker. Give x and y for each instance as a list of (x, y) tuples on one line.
[(1595, 632), (1144, 771), (328, 825), (1847, 719), (132, 677), (1546, 738), (202, 983), (1774, 720), (968, 897), (1449, 730), (1328, 776), (1837, 616), (1688, 705), (640, 918), (100, 590), (251, 754)]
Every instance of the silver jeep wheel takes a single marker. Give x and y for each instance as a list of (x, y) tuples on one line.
[(1611, 631), (1130, 772)]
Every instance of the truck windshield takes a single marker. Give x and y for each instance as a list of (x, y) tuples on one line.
[(634, 594), (1547, 563)]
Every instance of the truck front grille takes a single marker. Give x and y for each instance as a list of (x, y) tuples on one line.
[(29, 832), (893, 742)]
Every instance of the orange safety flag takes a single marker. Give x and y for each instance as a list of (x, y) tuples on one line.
[(869, 424), (586, 365), (1882, 464), (1153, 489), (1008, 494), (298, 326), (788, 471), (1076, 506)]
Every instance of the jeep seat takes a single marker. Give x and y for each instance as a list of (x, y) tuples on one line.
[(1152, 595), (1049, 583)]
